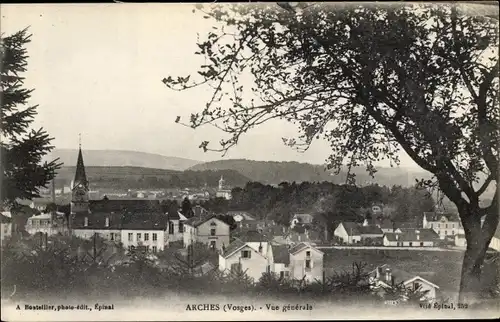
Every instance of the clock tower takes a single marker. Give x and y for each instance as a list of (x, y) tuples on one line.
[(80, 188)]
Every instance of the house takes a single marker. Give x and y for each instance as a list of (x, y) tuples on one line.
[(6, 223), (385, 276), (176, 226), (207, 230), (348, 233), (411, 238), (445, 225), (460, 240), (259, 225), (371, 234), (256, 256), (248, 257), (240, 215), (107, 225), (144, 230), (302, 219), (306, 262), (50, 223), (495, 241)]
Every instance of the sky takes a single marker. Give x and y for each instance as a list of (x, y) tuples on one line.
[(97, 70)]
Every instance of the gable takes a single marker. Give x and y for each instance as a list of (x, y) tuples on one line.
[(421, 280), (237, 251)]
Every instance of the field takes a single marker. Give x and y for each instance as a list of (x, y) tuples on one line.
[(441, 268)]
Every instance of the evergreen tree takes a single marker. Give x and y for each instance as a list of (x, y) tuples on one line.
[(21, 147)]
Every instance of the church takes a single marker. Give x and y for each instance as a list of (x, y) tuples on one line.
[(223, 192), (135, 224)]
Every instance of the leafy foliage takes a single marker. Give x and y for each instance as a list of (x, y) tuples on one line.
[(21, 149), (371, 80)]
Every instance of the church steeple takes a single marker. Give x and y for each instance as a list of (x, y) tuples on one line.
[(80, 187), (80, 175)]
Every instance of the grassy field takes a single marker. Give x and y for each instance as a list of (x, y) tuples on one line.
[(441, 268)]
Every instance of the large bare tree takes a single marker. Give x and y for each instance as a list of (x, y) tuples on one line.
[(371, 80)]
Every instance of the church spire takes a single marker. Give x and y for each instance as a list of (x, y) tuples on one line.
[(80, 176)]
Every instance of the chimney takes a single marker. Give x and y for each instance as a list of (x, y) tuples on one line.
[(107, 222), (260, 247), (388, 275), (86, 222)]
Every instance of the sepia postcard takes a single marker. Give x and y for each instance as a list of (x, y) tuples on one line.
[(250, 161)]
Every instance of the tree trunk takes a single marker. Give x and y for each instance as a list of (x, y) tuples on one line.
[(478, 239)]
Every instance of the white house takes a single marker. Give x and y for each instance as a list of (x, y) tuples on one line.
[(348, 233), (411, 238), (257, 257), (445, 225), (245, 257), (6, 223), (207, 230), (306, 262), (385, 276), (146, 231), (47, 223)]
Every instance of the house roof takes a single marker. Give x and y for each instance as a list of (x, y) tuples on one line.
[(304, 218), (244, 214), (135, 205), (232, 247), (297, 248), (370, 230), (250, 236), (196, 221), (408, 234), (122, 221), (281, 254), (351, 228), (433, 216)]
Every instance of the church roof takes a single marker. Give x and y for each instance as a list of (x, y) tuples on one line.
[(80, 175)]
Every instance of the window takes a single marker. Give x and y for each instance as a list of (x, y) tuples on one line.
[(446, 226), (452, 225), (411, 244), (446, 232), (421, 244), (212, 232), (416, 286), (308, 264), (246, 254), (268, 269), (453, 232), (184, 228), (147, 248), (213, 223), (146, 236), (308, 253), (236, 267), (286, 265), (155, 236), (282, 274), (139, 237), (112, 236), (170, 228), (212, 244), (129, 236), (155, 249), (181, 227)]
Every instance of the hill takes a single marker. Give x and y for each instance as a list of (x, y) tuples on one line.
[(272, 172), (148, 178), (121, 158)]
